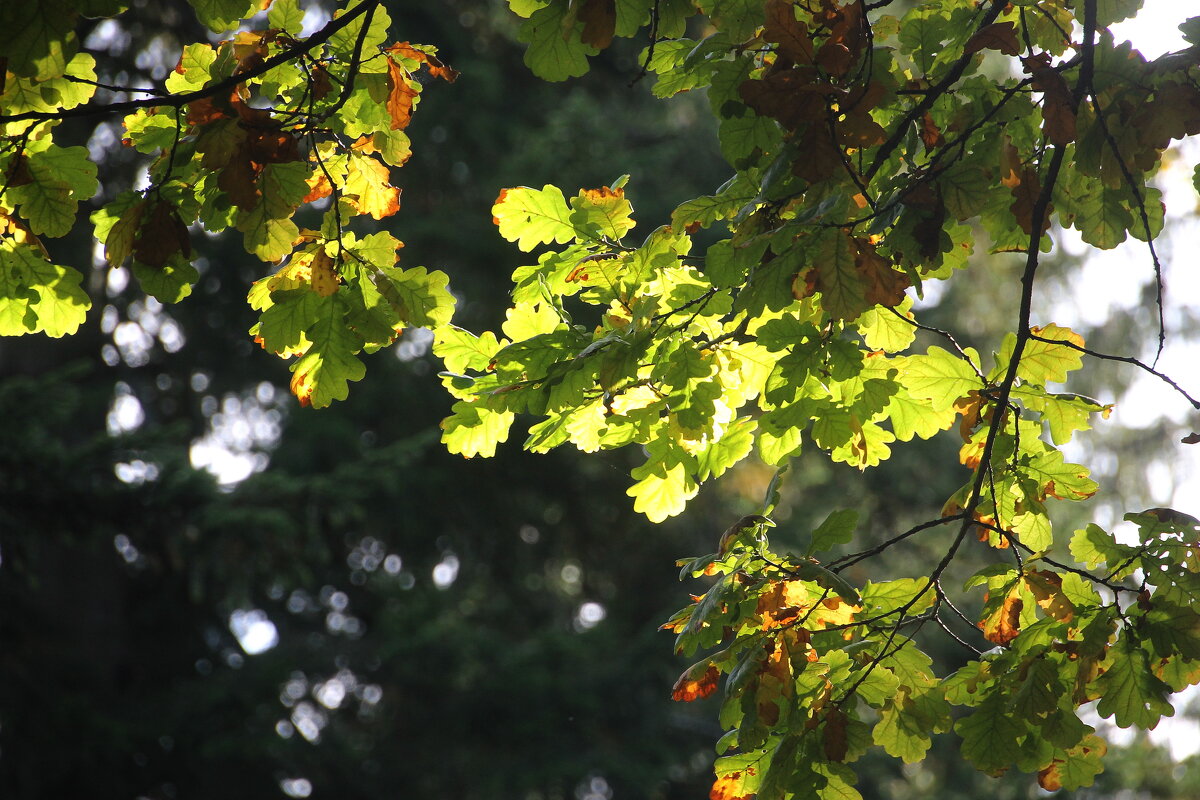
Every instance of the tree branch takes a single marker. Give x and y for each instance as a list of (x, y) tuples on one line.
[(311, 43)]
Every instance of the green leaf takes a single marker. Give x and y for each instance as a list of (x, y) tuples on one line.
[(838, 528), (38, 38), (475, 430), (991, 735), (887, 329), (37, 296), (221, 15), (1129, 692), (286, 15), (555, 52), (900, 731), (531, 217), (281, 327), (938, 377), (322, 374), (61, 178), (886, 597), (463, 350), (419, 296), (663, 483)]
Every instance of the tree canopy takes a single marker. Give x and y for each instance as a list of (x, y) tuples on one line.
[(874, 150)]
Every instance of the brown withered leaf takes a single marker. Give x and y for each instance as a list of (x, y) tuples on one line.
[(1058, 106), (239, 178), (119, 244), (794, 97), (1004, 623), (204, 111), (250, 48), (931, 135), (697, 682), (835, 58), (599, 18), (846, 27), (161, 236), (1000, 36), (319, 83), (835, 744), (18, 172), (271, 146), (400, 96), (1026, 193), (883, 285), (782, 28)]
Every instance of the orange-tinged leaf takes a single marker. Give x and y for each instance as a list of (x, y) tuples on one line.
[(782, 603), (436, 68), (1004, 624), (697, 682), (732, 786), (400, 96), (318, 186)]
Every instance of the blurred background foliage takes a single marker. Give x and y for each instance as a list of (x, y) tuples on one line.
[(338, 608)]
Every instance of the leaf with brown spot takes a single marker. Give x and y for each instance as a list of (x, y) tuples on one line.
[(324, 275), (1000, 36)]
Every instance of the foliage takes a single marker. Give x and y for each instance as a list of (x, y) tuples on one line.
[(872, 153)]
